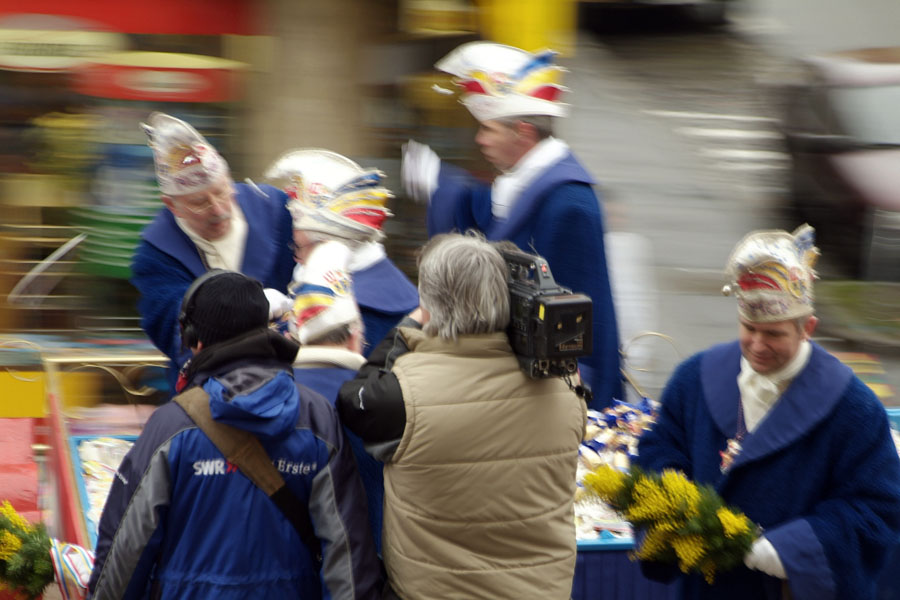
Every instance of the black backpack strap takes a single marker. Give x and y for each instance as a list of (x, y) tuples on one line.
[(244, 450)]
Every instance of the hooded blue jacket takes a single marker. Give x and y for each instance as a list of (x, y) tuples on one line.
[(182, 522)]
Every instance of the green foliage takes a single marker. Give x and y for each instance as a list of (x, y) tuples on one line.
[(25, 563)]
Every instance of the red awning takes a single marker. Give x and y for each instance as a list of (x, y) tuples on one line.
[(194, 17)]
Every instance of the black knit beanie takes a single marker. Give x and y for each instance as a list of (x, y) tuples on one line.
[(226, 306)]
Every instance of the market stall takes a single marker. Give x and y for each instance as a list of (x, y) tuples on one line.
[(76, 402)]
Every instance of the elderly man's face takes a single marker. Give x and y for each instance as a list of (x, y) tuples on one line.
[(500, 144), (208, 212), (769, 347)]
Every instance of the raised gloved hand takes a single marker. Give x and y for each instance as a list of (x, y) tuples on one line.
[(419, 171), (279, 303), (763, 557)]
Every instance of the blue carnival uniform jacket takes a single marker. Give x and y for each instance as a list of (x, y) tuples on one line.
[(384, 295), (327, 381), (181, 522), (559, 217), (820, 474), (166, 262)]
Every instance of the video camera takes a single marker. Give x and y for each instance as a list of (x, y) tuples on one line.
[(549, 326)]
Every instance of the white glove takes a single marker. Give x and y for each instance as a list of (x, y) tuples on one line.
[(419, 171), (279, 303), (763, 557)]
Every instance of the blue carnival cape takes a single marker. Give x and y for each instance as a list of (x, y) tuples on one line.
[(559, 217), (384, 295), (166, 262), (820, 473)]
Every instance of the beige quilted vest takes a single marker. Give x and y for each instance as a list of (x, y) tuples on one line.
[(478, 497)]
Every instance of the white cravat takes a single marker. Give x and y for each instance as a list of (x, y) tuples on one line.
[(760, 392), (509, 186), (228, 251)]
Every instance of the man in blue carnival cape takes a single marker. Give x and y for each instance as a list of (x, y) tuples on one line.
[(333, 198), (326, 321), (786, 433), (209, 222), (543, 200)]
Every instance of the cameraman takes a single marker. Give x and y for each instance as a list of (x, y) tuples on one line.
[(479, 459)]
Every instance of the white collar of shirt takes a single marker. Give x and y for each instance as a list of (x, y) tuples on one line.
[(226, 252), (760, 392), (366, 255), (509, 186), (363, 257), (312, 357)]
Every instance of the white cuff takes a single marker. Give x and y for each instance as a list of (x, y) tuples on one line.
[(763, 557), (279, 303), (419, 171)]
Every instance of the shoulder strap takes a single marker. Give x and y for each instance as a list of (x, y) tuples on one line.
[(244, 450)]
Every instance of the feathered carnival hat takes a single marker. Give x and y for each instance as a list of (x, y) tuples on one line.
[(331, 194), (500, 81), (771, 274), (323, 300), (185, 162)]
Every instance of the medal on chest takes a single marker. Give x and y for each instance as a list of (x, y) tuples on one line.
[(733, 445), (731, 451)]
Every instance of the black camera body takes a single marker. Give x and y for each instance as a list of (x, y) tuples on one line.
[(549, 326)]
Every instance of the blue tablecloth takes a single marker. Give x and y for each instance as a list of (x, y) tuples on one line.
[(603, 571)]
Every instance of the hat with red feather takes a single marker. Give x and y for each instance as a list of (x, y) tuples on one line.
[(500, 81), (323, 301), (185, 162), (771, 274), (331, 194)]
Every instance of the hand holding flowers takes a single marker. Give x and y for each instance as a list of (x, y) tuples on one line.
[(684, 524)]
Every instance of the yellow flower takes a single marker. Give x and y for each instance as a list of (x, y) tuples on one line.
[(655, 542), (7, 510), (679, 487), (689, 549), (606, 482), (708, 568), (9, 545), (650, 502), (733, 524)]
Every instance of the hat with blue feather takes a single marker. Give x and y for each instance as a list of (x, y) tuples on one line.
[(500, 81), (771, 274), (331, 194), (323, 300)]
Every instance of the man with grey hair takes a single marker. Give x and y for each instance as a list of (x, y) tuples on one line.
[(542, 200), (444, 403), (209, 222)]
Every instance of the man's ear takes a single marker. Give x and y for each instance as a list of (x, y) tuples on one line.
[(810, 326), (527, 133)]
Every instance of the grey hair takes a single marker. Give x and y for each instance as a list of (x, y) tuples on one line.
[(543, 124), (338, 336), (462, 285)]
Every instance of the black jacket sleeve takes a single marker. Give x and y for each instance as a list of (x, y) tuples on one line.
[(371, 404)]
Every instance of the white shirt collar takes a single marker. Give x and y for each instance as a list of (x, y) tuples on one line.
[(760, 392), (509, 186), (328, 356), (226, 252)]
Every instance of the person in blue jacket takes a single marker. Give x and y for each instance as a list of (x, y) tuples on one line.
[(543, 199), (326, 321), (182, 522), (208, 222), (333, 198), (786, 433)]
